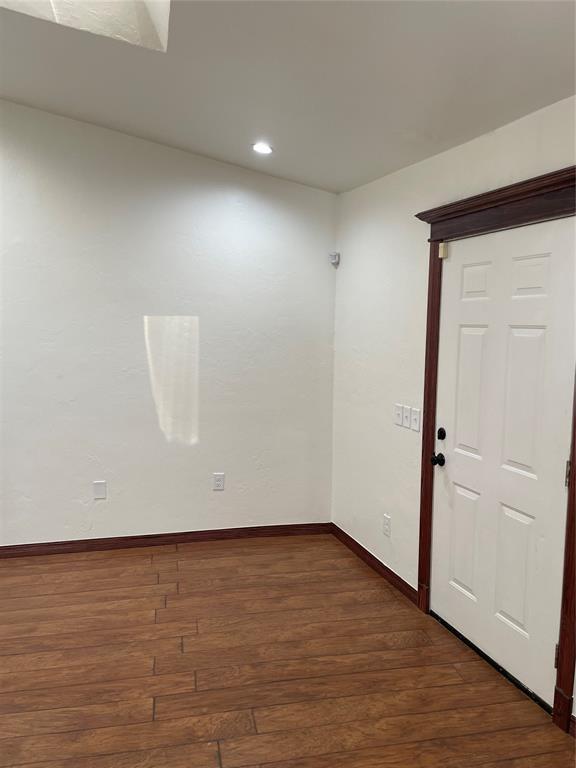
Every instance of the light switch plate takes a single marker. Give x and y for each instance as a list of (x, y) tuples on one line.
[(415, 423), (406, 416), (398, 414), (387, 526)]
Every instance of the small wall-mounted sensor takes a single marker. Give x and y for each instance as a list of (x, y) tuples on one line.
[(100, 490), (335, 259)]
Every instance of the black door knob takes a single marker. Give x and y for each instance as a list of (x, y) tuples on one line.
[(438, 459), (441, 433)]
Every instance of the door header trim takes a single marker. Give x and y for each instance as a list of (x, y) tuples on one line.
[(543, 198)]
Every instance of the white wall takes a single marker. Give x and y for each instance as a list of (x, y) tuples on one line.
[(380, 320), (100, 230)]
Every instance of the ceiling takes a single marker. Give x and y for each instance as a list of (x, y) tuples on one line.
[(344, 91)]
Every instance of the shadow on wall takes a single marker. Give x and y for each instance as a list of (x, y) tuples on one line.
[(172, 349)]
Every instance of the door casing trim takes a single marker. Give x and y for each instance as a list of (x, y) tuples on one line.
[(543, 198)]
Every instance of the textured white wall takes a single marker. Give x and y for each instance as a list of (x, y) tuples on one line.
[(100, 230), (381, 315)]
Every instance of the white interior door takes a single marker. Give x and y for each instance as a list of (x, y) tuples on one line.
[(505, 387)]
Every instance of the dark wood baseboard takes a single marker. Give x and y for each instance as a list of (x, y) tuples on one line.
[(158, 539), (396, 581), (155, 539), (572, 728)]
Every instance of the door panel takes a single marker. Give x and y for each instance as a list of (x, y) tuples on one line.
[(523, 398), (470, 374), (463, 542), (505, 384), (514, 533)]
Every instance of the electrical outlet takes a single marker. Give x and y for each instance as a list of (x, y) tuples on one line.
[(415, 423), (398, 414), (406, 416), (387, 526), (100, 490), (218, 481)]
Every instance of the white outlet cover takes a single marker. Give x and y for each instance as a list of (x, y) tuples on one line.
[(218, 481), (406, 416), (415, 424), (100, 490), (398, 414)]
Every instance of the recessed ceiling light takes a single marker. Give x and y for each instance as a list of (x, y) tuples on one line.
[(262, 148)]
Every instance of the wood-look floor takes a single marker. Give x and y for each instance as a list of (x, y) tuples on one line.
[(278, 652)]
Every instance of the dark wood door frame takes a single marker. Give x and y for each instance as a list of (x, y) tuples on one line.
[(544, 198)]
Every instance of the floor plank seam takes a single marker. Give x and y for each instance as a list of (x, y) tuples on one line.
[(73, 730), (364, 719), (350, 752), (311, 658), (185, 598), (317, 676), (110, 680), (243, 613), (337, 697), (320, 621), (505, 760), (307, 700)]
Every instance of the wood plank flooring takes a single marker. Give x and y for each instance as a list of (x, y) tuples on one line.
[(281, 652)]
